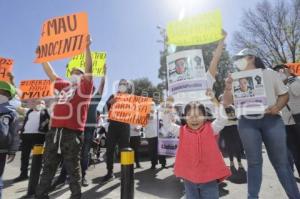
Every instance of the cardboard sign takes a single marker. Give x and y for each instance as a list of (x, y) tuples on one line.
[(198, 30), (249, 92), (6, 66), (63, 37), (167, 141), (295, 67), (36, 89), (186, 72), (130, 109), (78, 61)]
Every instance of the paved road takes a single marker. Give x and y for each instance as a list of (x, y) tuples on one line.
[(149, 184)]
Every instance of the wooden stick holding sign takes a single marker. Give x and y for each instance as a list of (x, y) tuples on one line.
[(130, 109), (6, 66), (36, 89), (63, 37)]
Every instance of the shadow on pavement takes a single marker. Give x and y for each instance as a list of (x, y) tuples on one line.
[(169, 187), (95, 193)]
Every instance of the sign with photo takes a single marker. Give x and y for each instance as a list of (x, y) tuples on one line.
[(186, 72), (249, 92), (167, 141)]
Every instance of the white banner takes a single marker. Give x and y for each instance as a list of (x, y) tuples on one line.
[(249, 92), (186, 72)]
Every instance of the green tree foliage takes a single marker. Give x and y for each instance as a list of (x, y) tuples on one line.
[(144, 87)]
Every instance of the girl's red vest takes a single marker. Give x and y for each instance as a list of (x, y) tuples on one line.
[(198, 157)]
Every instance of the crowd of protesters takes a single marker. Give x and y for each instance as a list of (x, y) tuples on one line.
[(67, 131)]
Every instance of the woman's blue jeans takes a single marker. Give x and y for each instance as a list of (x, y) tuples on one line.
[(270, 130)]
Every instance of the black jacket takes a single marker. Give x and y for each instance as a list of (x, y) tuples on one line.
[(44, 121)]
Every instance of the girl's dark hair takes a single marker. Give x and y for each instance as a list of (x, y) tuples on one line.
[(259, 63), (205, 110)]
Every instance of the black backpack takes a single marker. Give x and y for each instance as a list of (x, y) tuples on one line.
[(5, 136)]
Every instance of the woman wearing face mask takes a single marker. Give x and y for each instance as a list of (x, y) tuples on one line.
[(291, 113), (266, 127), (118, 132), (35, 125)]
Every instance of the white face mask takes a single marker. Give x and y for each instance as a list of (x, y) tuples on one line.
[(15, 102), (39, 107), (3, 99), (122, 88), (282, 76), (241, 64), (75, 79)]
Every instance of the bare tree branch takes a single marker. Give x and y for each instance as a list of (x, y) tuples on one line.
[(273, 30)]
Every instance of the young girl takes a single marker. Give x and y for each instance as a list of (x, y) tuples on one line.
[(198, 160)]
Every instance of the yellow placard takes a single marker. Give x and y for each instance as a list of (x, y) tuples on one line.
[(201, 29), (99, 60)]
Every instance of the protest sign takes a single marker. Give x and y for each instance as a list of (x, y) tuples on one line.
[(130, 109), (36, 89), (201, 29), (6, 66), (294, 67), (186, 72), (167, 146), (78, 61), (249, 92), (167, 141), (63, 37)]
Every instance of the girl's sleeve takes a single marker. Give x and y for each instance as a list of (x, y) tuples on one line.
[(170, 126), (220, 122)]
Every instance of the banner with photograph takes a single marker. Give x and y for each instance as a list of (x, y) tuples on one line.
[(186, 72), (249, 92), (167, 141)]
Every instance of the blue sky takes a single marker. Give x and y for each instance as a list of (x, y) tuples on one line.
[(126, 30)]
